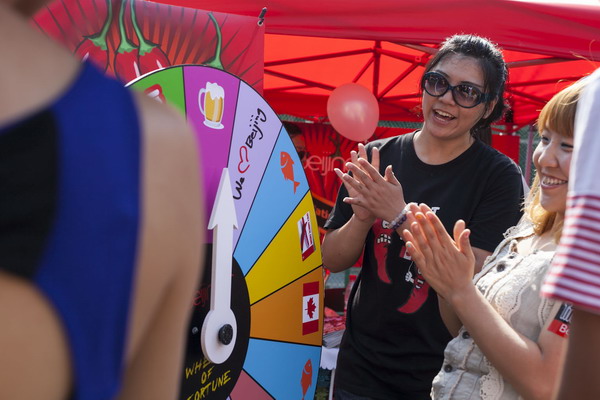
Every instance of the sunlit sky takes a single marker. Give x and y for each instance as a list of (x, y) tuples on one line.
[(586, 2)]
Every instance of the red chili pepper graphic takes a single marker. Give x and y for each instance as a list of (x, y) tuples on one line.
[(127, 64), (153, 60), (151, 57), (418, 295), (94, 47), (383, 239), (127, 54), (420, 290)]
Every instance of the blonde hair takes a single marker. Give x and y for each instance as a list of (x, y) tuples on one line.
[(558, 115)]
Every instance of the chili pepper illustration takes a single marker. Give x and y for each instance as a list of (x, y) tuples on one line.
[(127, 55), (383, 239), (151, 57), (153, 60), (418, 295), (94, 47), (215, 62)]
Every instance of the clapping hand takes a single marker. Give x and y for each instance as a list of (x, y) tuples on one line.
[(371, 194), (351, 184), (447, 264)]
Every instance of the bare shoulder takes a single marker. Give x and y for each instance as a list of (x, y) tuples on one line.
[(33, 344), (171, 170), (172, 210), (168, 143), (166, 126)]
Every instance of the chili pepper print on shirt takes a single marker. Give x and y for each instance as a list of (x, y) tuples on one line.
[(420, 288)]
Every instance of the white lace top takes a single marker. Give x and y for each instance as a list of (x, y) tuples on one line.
[(511, 283)]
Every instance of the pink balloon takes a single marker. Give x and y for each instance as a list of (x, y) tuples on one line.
[(353, 111)]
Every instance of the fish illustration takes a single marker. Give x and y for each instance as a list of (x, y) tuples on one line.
[(287, 167), (306, 379)]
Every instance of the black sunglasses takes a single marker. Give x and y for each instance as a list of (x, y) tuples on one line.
[(465, 95)]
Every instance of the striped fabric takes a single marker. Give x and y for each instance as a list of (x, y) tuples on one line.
[(575, 272)]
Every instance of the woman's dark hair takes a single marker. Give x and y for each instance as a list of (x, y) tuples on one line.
[(494, 70), (292, 129)]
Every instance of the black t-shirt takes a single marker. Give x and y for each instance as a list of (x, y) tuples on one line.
[(395, 337)]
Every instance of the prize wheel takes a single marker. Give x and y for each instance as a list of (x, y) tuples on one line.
[(256, 328)]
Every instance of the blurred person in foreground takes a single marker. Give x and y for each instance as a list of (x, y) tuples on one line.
[(101, 228), (575, 272), (509, 342)]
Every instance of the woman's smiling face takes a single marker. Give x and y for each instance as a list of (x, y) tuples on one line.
[(552, 160), (443, 118)]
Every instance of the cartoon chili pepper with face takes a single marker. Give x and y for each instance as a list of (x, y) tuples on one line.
[(418, 295), (420, 288), (127, 55), (94, 47), (383, 240), (151, 57)]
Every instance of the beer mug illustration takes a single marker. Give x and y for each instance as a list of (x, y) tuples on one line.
[(212, 104)]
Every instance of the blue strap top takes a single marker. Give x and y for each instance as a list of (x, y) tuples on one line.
[(69, 218)]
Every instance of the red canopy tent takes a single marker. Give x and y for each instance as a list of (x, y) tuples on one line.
[(313, 46)]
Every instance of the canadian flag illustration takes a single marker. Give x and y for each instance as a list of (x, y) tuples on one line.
[(310, 308)]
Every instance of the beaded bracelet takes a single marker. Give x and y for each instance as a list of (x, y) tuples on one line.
[(399, 220)]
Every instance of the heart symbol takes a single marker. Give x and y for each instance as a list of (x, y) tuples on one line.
[(244, 163)]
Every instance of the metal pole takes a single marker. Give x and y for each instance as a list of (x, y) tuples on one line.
[(529, 154)]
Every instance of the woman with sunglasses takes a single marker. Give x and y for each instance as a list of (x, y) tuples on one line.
[(395, 337), (511, 342)]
